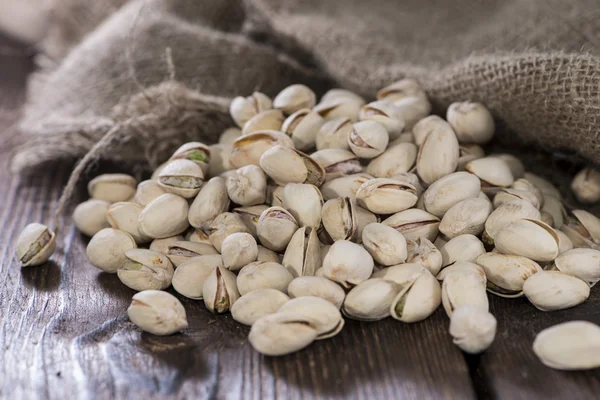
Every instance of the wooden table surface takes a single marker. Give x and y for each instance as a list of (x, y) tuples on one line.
[(64, 332)]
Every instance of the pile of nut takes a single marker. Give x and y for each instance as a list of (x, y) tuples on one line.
[(312, 212)]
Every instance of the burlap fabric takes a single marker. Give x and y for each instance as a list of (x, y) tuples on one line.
[(160, 72)]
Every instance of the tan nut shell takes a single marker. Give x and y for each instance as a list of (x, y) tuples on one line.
[(303, 254), (418, 298), (450, 190), (555, 290), (304, 202), (286, 165), (189, 277), (506, 274), (147, 191), (368, 139), (345, 186), (294, 98), (334, 134), (472, 122), (464, 287), (112, 187), (157, 312), (319, 287), (529, 238), (347, 263), (582, 263), (321, 315), (467, 216), (256, 304), (462, 248), (265, 120), (248, 149), (492, 171), (219, 290), (414, 223), (275, 228), (35, 244), (303, 126), (124, 216), (422, 251), (281, 333), (386, 196), (573, 345), (238, 250), (395, 160), (151, 270), (438, 155), (165, 216), (210, 202), (473, 329), (106, 249), (90, 216), (261, 275), (386, 245), (370, 300)]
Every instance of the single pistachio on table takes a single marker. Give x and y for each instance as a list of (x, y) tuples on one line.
[(286, 165), (304, 202), (250, 216), (106, 249), (224, 225), (35, 245), (472, 122), (196, 152), (162, 245), (564, 243), (348, 264), (264, 120), (112, 187), (465, 247), (468, 153), (370, 300), (256, 304), (275, 228), (339, 218), (145, 270), (472, 328), (386, 113), (450, 190), (265, 254), (462, 266), (238, 250), (319, 287), (414, 223), (583, 228), (386, 196), (248, 149), (124, 216), (506, 274), (555, 290), (586, 185), (386, 245), (211, 201), (229, 135), (321, 315), (504, 215), (261, 275), (219, 159), (492, 171), (505, 195), (294, 98), (547, 188), (181, 177), (334, 134), (303, 254), (400, 90), (573, 345), (466, 217), (582, 263), (368, 139), (147, 191), (180, 252), (514, 163), (90, 216), (281, 333), (247, 186), (157, 312), (188, 279), (395, 160), (345, 186), (198, 235), (337, 162), (339, 106), (422, 251), (529, 238), (464, 287), (242, 109), (165, 216), (438, 155), (220, 291), (303, 126)]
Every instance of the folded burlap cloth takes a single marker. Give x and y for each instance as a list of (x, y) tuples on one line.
[(157, 73)]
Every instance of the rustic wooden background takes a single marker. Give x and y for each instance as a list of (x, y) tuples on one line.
[(64, 333)]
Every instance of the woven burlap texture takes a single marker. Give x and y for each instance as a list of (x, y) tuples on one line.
[(535, 63)]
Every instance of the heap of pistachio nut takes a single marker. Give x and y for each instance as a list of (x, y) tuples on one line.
[(308, 213)]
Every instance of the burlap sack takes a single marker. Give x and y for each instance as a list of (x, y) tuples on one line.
[(159, 72)]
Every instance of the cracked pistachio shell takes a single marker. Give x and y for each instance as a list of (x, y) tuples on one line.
[(514, 163), (507, 213), (304, 202), (281, 333), (505, 195), (35, 245), (462, 266), (112, 187), (261, 275), (147, 191), (466, 217), (400, 90), (506, 274), (492, 171), (90, 216), (464, 287), (462, 248), (188, 279), (573, 345), (248, 149), (370, 300), (368, 139), (319, 287), (275, 228), (210, 202), (386, 196), (250, 216), (224, 225), (468, 153), (413, 109), (196, 152), (395, 160), (256, 304), (450, 190), (182, 251), (528, 238), (422, 251), (181, 177), (264, 121), (438, 155), (411, 179), (165, 216), (414, 223), (339, 107), (347, 263), (321, 315), (472, 122), (303, 254), (219, 290), (124, 216), (555, 290), (582, 263), (345, 186), (334, 134), (286, 165), (238, 250), (145, 270), (162, 245), (294, 98), (339, 218), (586, 185), (547, 188), (247, 186), (337, 162), (265, 254), (219, 159), (157, 312), (106, 249), (473, 329), (386, 245), (386, 113), (303, 126), (242, 109), (229, 135)]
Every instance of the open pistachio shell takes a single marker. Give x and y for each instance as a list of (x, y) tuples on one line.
[(106, 249), (248, 149), (304, 202), (339, 218), (505, 214), (147, 191), (303, 126), (493, 171), (438, 155), (400, 90), (90, 216), (181, 177), (35, 245), (242, 109), (506, 274), (347, 263), (461, 248), (281, 333), (334, 134), (464, 287), (162, 245), (386, 196), (275, 228), (145, 270), (219, 290), (286, 165), (294, 98), (414, 223), (345, 186), (529, 238), (386, 245), (462, 266), (194, 151), (319, 287), (418, 298), (339, 106), (182, 251), (256, 304), (224, 225), (386, 113), (250, 216), (321, 315), (189, 276), (165, 216), (368, 139), (466, 217), (157, 312), (211, 201), (303, 254), (261, 275), (422, 251), (124, 216), (112, 187), (337, 162), (582, 263), (265, 120)]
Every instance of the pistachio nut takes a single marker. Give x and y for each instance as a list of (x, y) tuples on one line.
[(303, 254), (157, 171), (529, 238), (466, 217), (165, 216), (364, 217), (147, 191), (106, 249), (247, 186), (438, 155), (319, 287), (281, 333), (35, 245), (472, 122), (220, 291), (321, 315), (90, 216), (586, 185), (242, 109), (525, 185), (450, 190), (400, 90), (197, 152), (238, 250), (337, 162), (261, 275), (386, 113), (582, 263), (145, 270), (265, 254), (248, 149), (505, 195), (370, 300), (425, 126), (492, 171), (468, 153), (268, 120), (219, 159), (181, 177), (256, 304), (422, 251), (112, 187), (573, 345), (547, 188), (339, 218), (462, 248), (180, 252), (505, 214), (124, 216), (303, 126), (275, 228), (395, 160), (472, 328), (250, 216), (413, 109), (386, 196), (464, 287), (157, 312), (304, 202), (199, 235), (331, 107), (583, 228), (294, 98), (229, 135), (334, 134), (162, 245), (564, 243), (286, 165), (506, 273), (224, 225), (555, 290), (345, 186), (337, 93), (462, 266), (414, 223), (347, 263), (368, 139), (211, 201), (386, 245), (189, 277), (514, 163)]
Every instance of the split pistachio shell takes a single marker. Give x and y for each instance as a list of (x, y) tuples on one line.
[(265, 254), (181, 177), (238, 250), (337, 162), (196, 152), (124, 216), (219, 159), (422, 251), (514, 163), (157, 312), (210, 202), (165, 216), (438, 155), (529, 238), (506, 194), (473, 329), (158, 170), (386, 196), (242, 109), (303, 126), (250, 216), (162, 245), (224, 225), (449, 190), (395, 160), (180, 252), (462, 266), (286, 165), (247, 186), (263, 121), (414, 223), (462, 248), (339, 106), (319, 287), (468, 153), (586, 185), (147, 191), (248, 149), (413, 109), (464, 287), (90, 216), (294, 98), (229, 135), (256, 304), (573, 345), (386, 113), (471, 121), (368, 139), (340, 219), (281, 333), (386, 245), (189, 277), (493, 171), (347, 263), (304, 202), (35, 245), (506, 274), (507, 213), (582, 263), (219, 290), (261, 275), (112, 187), (276, 227), (555, 290), (334, 134), (321, 315), (106, 249), (466, 217), (400, 90), (145, 270), (303, 254), (370, 300), (547, 188), (345, 186)]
